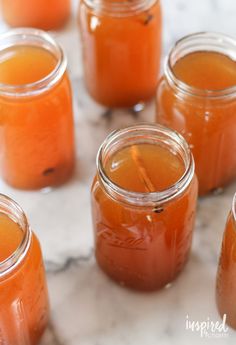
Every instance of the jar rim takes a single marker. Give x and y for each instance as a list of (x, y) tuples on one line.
[(146, 198), (35, 88), (118, 8), (8, 204), (234, 207), (214, 41)]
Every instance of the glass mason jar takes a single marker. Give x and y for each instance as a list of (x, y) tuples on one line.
[(226, 275), (121, 44), (23, 291), (143, 239), (206, 118), (41, 14), (36, 120)]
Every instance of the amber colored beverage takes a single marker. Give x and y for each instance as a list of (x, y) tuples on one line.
[(23, 291), (143, 204), (206, 70), (121, 44), (24, 64), (197, 97), (42, 14), (226, 275), (138, 161), (36, 121), (10, 236)]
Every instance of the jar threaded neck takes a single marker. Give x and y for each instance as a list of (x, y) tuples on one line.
[(120, 8)]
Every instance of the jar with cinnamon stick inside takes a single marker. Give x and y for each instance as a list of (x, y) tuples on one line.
[(143, 206)]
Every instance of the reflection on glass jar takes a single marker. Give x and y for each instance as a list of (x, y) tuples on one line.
[(23, 291), (143, 205), (226, 275), (197, 97), (36, 120), (121, 44), (41, 14)]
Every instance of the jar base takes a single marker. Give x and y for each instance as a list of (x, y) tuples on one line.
[(214, 192), (141, 287), (136, 105), (40, 185)]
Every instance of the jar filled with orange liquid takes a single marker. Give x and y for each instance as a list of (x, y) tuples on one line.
[(41, 14), (143, 206), (226, 275), (23, 291), (121, 42), (197, 97), (36, 121)]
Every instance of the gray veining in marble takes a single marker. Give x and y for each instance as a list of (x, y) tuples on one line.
[(87, 308)]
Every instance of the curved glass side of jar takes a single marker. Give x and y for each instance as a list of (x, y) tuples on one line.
[(226, 274), (36, 123), (207, 120), (23, 289), (143, 240), (41, 14), (121, 45)]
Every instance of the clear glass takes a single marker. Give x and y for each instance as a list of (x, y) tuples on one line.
[(121, 44), (41, 14), (226, 275), (23, 290), (36, 122), (206, 118), (142, 240)]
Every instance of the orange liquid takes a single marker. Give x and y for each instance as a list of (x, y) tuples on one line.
[(129, 159), (208, 125), (206, 70), (42, 14), (10, 237), (25, 64), (143, 248), (36, 132), (226, 275), (118, 70), (23, 291)]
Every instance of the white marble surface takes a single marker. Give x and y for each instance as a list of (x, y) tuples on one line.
[(87, 308)]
